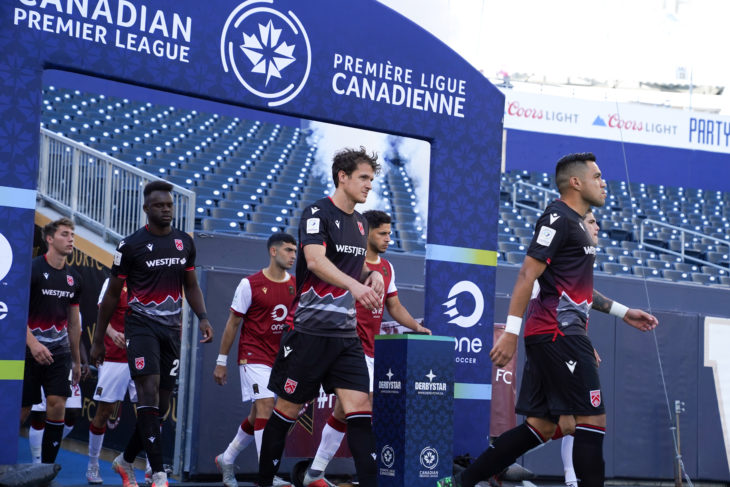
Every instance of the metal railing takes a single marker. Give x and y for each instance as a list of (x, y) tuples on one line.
[(103, 193), (547, 196), (682, 240)]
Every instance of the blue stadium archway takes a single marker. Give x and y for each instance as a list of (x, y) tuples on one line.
[(353, 63)]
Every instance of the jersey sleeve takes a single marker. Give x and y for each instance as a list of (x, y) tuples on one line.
[(313, 226), (103, 290), (78, 288), (190, 264), (548, 237), (392, 290), (122, 261), (242, 297)]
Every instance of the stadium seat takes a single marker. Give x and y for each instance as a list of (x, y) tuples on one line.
[(221, 225), (645, 271), (676, 275), (514, 257), (615, 268)]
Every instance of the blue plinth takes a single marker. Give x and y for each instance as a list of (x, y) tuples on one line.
[(413, 409)]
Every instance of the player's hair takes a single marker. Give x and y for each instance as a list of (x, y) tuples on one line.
[(49, 230), (567, 165), (156, 186), (279, 238), (348, 159), (376, 218)]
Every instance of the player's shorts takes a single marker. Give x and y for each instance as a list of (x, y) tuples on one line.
[(72, 402), (370, 361), (255, 381), (152, 349), (114, 382), (305, 362), (55, 378), (560, 377)]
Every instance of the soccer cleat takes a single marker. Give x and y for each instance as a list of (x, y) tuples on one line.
[(279, 482), (125, 470), (571, 484), (159, 479), (228, 470), (318, 481), (148, 477), (92, 475)]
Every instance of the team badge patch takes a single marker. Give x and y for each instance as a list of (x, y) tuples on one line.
[(291, 289), (545, 236), (362, 229), (290, 386), (313, 225), (69, 280), (99, 390), (178, 244), (139, 363), (596, 398)]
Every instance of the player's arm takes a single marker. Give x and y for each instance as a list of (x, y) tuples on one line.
[(195, 298), (506, 346), (402, 316), (373, 279), (74, 338), (639, 319), (322, 267), (40, 352), (229, 336), (106, 310)]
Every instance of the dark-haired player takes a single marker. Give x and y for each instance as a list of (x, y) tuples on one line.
[(262, 302), (158, 263), (324, 349), (368, 325), (52, 357), (561, 373)]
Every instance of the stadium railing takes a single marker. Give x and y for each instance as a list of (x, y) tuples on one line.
[(100, 191), (547, 196)]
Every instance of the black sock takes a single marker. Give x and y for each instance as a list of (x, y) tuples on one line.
[(272, 446), (134, 445), (148, 420), (588, 455), (502, 453), (51, 443), (361, 440)]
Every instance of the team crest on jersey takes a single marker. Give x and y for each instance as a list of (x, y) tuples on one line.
[(139, 363), (178, 244), (99, 390), (362, 229), (596, 398), (290, 386), (291, 290), (69, 280), (385, 271)]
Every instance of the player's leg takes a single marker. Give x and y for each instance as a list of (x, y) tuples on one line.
[(566, 453), (35, 432), (32, 394), (57, 387), (332, 434), (588, 450), (262, 408), (273, 439), (73, 409)]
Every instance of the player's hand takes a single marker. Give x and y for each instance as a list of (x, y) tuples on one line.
[(41, 354), (641, 320), (206, 330), (220, 374), (422, 329), (598, 357), (76, 373), (375, 281), (504, 349), (96, 354), (367, 296), (117, 338), (85, 370)]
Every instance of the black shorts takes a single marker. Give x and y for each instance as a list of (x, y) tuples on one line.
[(54, 378), (305, 362), (152, 349), (560, 377)]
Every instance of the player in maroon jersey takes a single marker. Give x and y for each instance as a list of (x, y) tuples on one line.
[(262, 302), (368, 325), (158, 264)]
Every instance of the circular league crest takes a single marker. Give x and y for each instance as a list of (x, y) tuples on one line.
[(429, 457), (387, 456), (267, 50)]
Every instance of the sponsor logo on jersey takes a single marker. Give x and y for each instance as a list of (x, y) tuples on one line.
[(264, 289), (45, 274), (168, 262), (553, 218), (290, 386), (313, 225), (571, 365), (350, 249), (314, 210), (58, 293), (139, 363), (337, 222), (279, 312), (69, 280), (149, 247), (589, 250), (545, 236), (178, 244), (596, 398), (287, 351)]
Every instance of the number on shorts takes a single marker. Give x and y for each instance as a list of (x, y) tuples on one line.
[(175, 366)]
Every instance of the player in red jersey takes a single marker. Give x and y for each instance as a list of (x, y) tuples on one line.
[(368, 325), (262, 302)]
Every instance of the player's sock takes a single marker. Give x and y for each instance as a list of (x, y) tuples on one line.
[(588, 455), (361, 440), (258, 432), (502, 453), (96, 438), (332, 434), (243, 437), (51, 443), (272, 445), (148, 419), (35, 438), (134, 445), (68, 425), (566, 451)]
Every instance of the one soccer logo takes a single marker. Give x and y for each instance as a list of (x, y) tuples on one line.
[(387, 456), (267, 50), (429, 457), (453, 312), (6, 256)]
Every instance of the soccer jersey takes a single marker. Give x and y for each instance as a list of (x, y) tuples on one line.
[(265, 306), (324, 309), (368, 321), (113, 352), (562, 241), (154, 268), (52, 292)]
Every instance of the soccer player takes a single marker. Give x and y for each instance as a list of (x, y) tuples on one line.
[(52, 357), (263, 303), (158, 263), (368, 325), (561, 372), (114, 381), (323, 348)]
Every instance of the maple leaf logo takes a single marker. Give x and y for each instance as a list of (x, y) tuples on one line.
[(267, 55)]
